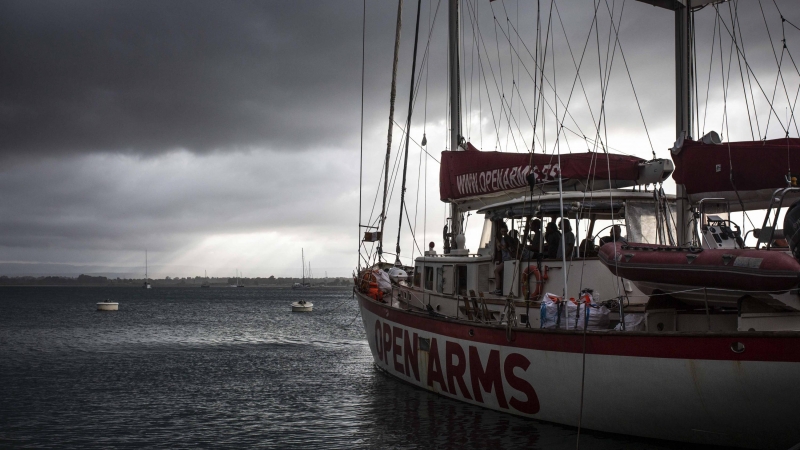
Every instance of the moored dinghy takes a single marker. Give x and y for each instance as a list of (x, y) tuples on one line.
[(302, 306), (107, 306)]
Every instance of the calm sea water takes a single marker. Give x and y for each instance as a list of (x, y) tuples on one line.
[(224, 368)]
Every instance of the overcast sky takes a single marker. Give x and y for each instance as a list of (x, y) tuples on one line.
[(226, 135)]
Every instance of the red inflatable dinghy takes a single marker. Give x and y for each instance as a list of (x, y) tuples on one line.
[(735, 269)]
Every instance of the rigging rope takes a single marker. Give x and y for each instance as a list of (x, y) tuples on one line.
[(408, 132), (361, 154), (392, 97)]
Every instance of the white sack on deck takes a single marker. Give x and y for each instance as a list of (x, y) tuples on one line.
[(633, 322), (382, 278), (572, 316)]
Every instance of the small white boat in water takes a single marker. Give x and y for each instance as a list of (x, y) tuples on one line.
[(302, 306), (107, 306)]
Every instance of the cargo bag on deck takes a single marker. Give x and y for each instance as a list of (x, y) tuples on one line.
[(572, 315), (382, 278), (633, 322)]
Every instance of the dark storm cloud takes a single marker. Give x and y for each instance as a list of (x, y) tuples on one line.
[(156, 76), (170, 200), (150, 77), (165, 125)]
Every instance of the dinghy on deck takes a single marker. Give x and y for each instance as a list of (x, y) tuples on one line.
[(733, 270)]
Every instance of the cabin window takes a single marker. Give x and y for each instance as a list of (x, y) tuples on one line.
[(439, 280), (429, 278), (447, 280), (645, 223), (417, 277)]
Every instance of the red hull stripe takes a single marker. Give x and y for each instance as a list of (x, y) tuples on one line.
[(758, 346)]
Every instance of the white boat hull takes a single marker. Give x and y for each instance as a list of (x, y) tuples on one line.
[(107, 306), (689, 387), (302, 307)]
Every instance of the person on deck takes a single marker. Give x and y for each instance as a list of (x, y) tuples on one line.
[(587, 248), (552, 239), (512, 242), (615, 236), (536, 237), (502, 254), (569, 239)]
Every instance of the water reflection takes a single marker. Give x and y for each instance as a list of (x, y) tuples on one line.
[(225, 368)]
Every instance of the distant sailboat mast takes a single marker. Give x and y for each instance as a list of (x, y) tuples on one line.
[(205, 283), (146, 284)]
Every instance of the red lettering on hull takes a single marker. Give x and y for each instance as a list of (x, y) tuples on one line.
[(435, 366), (378, 346), (484, 379), (456, 370), (397, 350), (387, 341), (489, 379), (531, 405), (410, 353)]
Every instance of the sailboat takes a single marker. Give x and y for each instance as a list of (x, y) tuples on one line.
[(678, 331), (238, 280), (146, 284), (302, 305), (302, 284), (205, 284)]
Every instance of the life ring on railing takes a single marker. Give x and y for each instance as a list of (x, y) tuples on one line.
[(526, 281), (368, 284)]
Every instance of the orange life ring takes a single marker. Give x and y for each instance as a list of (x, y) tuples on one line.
[(368, 284), (526, 281)]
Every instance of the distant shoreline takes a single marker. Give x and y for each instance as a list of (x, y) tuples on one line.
[(181, 286), (194, 282)]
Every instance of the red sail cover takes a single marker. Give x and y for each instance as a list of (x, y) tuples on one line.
[(757, 165), (473, 173)]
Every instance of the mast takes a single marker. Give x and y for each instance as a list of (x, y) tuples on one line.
[(145, 265), (683, 108), (392, 96), (303, 256), (455, 107), (683, 94), (408, 136)]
